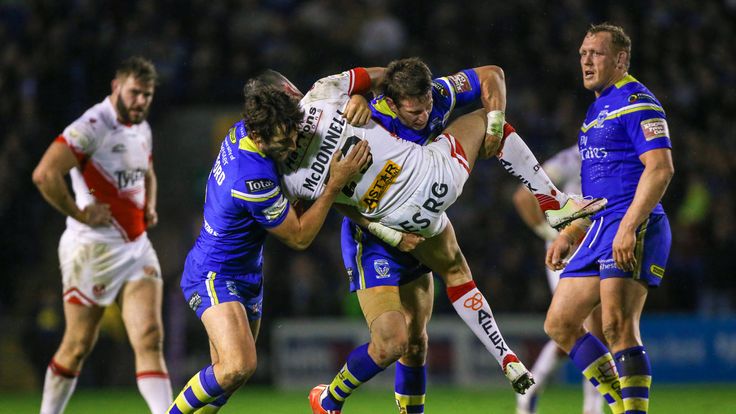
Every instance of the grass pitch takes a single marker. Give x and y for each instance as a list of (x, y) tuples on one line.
[(667, 399)]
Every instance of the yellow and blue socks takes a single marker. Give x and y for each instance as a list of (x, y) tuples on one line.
[(410, 387), (635, 372), (358, 369), (214, 406), (201, 390), (596, 363)]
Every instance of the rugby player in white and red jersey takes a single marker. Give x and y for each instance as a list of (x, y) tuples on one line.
[(407, 187), (105, 254)]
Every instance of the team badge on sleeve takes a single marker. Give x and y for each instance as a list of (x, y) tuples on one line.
[(461, 82), (655, 128)]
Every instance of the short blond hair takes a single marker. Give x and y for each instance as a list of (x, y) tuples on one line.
[(619, 39)]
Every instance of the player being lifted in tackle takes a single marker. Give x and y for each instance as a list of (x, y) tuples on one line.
[(408, 187)]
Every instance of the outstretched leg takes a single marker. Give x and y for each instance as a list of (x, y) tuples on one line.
[(518, 160), (442, 254)]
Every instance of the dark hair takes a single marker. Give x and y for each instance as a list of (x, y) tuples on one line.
[(406, 78), (139, 68), (266, 108), (619, 39)]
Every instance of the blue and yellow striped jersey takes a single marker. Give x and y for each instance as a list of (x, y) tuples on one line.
[(243, 199), (448, 92), (624, 122)]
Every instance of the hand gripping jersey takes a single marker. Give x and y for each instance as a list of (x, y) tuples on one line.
[(448, 93), (243, 198), (624, 122), (113, 161), (406, 186)]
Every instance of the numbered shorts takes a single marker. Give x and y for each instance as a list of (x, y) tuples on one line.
[(204, 289), (595, 254), (370, 262), (424, 212), (93, 271)]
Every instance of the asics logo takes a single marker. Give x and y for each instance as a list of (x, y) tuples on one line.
[(474, 302)]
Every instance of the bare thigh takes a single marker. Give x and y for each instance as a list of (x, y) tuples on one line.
[(470, 131), (442, 254)]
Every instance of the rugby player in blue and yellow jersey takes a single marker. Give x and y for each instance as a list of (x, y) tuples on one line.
[(626, 157), (222, 279), (394, 289), (416, 108)]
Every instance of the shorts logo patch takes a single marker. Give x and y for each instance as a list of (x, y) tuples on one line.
[(274, 211), (262, 184), (150, 271), (382, 268), (231, 288), (255, 309), (380, 185), (657, 270), (99, 289), (194, 301), (654, 128), (461, 82)]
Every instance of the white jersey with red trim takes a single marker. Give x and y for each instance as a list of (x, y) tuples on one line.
[(399, 170), (113, 162)]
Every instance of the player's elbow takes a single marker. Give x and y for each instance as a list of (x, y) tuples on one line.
[(41, 176), (490, 72), (299, 242)]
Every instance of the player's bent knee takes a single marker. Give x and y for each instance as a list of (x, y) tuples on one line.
[(416, 350), (559, 330), (235, 374), (150, 339)]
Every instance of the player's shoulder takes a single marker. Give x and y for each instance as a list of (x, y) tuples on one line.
[(634, 92), (455, 83)]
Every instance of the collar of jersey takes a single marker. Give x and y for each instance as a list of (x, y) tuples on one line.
[(618, 85), (247, 144), (382, 106)]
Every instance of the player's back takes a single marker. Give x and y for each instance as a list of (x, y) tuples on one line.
[(393, 175), (242, 196)]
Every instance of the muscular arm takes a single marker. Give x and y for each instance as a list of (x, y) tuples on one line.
[(376, 74), (658, 171), (492, 87), (151, 196), (298, 232), (357, 110), (49, 179)]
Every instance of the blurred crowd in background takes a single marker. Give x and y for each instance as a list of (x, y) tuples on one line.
[(57, 58)]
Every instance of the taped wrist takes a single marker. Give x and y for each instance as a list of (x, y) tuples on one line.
[(386, 234), (496, 119)]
